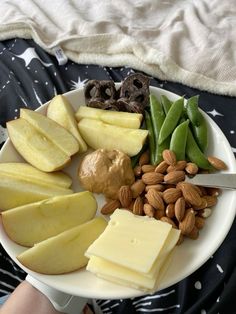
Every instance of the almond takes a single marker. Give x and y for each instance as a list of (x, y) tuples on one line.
[(148, 210), (191, 168), (157, 187), (125, 196), (137, 188), (217, 163), (190, 193), (199, 222), (162, 167), (201, 190), (131, 205), (152, 177), (213, 191), (193, 234), (137, 171), (110, 207), (211, 200), (155, 199), (169, 157), (188, 223), (170, 210), (159, 214), (138, 206), (180, 209), (180, 165), (148, 168), (202, 205), (171, 195), (144, 159), (174, 177), (169, 221)]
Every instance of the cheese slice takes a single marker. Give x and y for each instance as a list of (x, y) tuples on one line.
[(125, 276), (131, 241), (167, 248)]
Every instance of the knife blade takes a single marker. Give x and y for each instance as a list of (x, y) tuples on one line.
[(218, 180)]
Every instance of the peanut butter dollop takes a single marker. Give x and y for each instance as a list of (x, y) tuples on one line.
[(104, 171)]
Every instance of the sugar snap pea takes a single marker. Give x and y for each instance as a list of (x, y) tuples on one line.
[(192, 110), (179, 139), (166, 103), (200, 134), (198, 122), (151, 138), (195, 154), (171, 119), (157, 117)]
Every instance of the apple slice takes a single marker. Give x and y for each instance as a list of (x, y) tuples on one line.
[(16, 192), (61, 111), (65, 252), (25, 171), (36, 148), (35, 222), (54, 132), (102, 135), (123, 119)]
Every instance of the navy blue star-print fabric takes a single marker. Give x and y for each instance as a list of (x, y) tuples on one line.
[(30, 77)]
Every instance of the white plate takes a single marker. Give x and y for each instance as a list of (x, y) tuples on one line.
[(187, 258)]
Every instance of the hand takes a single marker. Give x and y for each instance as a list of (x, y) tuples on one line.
[(61, 301)]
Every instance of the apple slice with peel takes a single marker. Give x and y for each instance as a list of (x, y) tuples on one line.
[(61, 111), (123, 119), (36, 148), (54, 132), (65, 252), (35, 222), (25, 171), (16, 192), (102, 135)]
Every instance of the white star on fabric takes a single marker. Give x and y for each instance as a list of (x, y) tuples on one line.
[(198, 285), (215, 113), (28, 55), (219, 268), (78, 84)]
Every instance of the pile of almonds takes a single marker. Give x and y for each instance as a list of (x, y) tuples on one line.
[(160, 192)]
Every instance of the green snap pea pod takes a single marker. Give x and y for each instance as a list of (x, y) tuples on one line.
[(195, 154), (200, 134), (151, 138), (166, 103), (179, 139), (171, 119), (192, 110), (157, 117), (198, 123)]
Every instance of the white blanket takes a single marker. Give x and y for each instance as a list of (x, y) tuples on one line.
[(188, 41)]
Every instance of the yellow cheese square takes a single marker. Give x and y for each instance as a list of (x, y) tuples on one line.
[(167, 248), (131, 241), (125, 276)]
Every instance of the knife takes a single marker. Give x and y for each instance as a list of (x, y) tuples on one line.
[(218, 180)]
